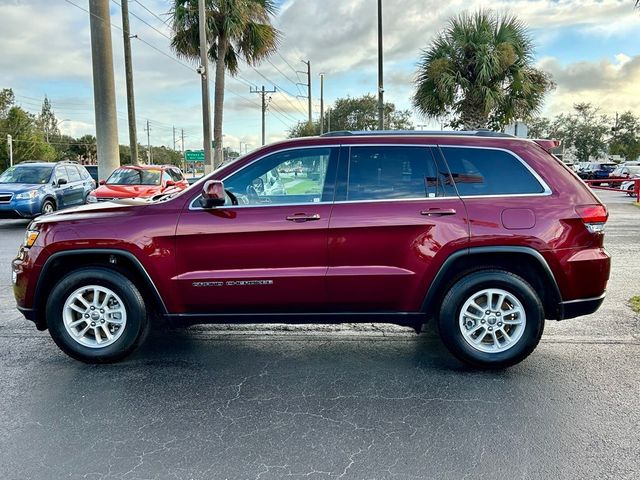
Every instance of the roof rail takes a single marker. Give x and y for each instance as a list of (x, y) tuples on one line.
[(477, 133)]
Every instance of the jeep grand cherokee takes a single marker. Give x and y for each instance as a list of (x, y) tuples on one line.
[(487, 234)]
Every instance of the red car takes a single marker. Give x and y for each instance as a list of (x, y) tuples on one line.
[(486, 234), (141, 181)]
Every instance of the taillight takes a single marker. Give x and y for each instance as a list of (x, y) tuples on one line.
[(593, 216)]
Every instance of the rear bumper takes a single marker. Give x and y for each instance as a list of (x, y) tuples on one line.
[(580, 307)]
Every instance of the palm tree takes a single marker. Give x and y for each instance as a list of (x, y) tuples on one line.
[(479, 72), (236, 30)]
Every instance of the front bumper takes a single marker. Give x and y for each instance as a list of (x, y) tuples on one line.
[(20, 208)]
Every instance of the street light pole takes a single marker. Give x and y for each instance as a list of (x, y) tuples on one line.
[(321, 103), (204, 75), (380, 71), (10, 144)]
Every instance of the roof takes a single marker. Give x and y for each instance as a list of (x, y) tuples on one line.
[(147, 167), (439, 133)]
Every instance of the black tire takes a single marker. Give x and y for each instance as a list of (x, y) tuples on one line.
[(134, 331), (48, 206), (450, 330)]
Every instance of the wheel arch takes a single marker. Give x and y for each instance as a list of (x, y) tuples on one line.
[(523, 261), (122, 261)]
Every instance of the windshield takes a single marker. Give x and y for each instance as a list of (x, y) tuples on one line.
[(33, 174), (134, 176)]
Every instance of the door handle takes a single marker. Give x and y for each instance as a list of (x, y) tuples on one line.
[(302, 217), (438, 212)]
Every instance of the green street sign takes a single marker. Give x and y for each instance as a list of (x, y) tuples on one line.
[(194, 155)]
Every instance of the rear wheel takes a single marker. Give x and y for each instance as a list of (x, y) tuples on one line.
[(96, 315), (491, 319)]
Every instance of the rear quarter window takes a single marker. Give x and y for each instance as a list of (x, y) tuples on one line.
[(486, 171)]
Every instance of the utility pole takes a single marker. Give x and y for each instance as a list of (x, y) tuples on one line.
[(308, 85), (329, 120), (203, 70), (149, 155), (128, 73), (321, 103), (174, 137), (104, 91), (380, 71), (263, 93), (10, 145)]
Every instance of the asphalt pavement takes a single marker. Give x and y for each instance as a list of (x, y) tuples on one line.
[(366, 401)]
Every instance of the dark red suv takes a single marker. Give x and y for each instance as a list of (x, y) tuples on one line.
[(485, 233)]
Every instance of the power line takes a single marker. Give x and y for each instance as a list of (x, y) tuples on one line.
[(280, 88), (137, 37), (285, 61), (145, 22), (152, 13)]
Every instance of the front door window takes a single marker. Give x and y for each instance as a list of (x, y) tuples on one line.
[(294, 176)]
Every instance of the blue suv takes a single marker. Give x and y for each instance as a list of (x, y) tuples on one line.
[(30, 189)]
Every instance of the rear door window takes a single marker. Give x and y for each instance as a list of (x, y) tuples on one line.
[(487, 171), (392, 172), (72, 172)]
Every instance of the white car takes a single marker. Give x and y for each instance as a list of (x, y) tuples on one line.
[(630, 185)]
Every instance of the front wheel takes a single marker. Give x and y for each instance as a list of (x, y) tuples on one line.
[(96, 315), (491, 319), (48, 207)]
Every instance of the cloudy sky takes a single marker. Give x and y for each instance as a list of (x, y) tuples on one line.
[(590, 47)]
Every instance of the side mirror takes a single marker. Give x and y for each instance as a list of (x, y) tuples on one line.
[(62, 181), (212, 194), (170, 183), (102, 182)]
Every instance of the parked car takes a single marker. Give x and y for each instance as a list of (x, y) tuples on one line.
[(624, 171), (139, 181), (629, 186), (486, 234), (29, 189), (93, 171), (596, 171)]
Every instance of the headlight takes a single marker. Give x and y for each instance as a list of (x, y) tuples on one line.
[(91, 198), (30, 237), (27, 195)]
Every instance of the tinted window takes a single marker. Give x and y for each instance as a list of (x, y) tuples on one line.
[(293, 176), (74, 174), (479, 171), (377, 173)]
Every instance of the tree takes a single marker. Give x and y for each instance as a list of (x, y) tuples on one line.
[(480, 71), (47, 121), (236, 29), (584, 131), (360, 113), (7, 99), (28, 139), (625, 139)]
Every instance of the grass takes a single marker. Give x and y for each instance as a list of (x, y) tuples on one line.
[(635, 303), (305, 186)]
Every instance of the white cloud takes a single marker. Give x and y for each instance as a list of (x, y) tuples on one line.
[(613, 86)]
